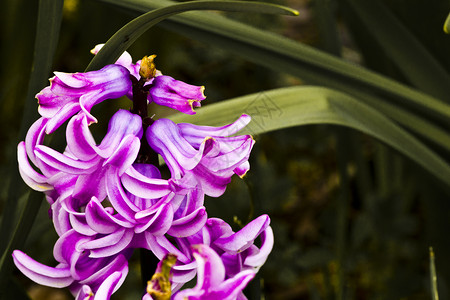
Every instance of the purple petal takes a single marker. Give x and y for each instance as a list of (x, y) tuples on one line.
[(160, 246), (122, 123), (68, 93), (144, 187), (35, 136), (159, 223), (32, 178), (232, 287), (210, 270), (65, 247), (245, 237), (64, 163), (100, 220), (109, 286), (176, 94), (259, 258), (119, 199), (165, 138), (125, 154), (80, 225), (189, 224), (195, 134), (92, 185), (55, 277), (79, 138)]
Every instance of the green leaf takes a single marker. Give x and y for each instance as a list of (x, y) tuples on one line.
[(295, 106), (47, 33), (23, 228), (433, 276), (129, 33), (409, 55), (48, 25), (447, 24), (403, 104)]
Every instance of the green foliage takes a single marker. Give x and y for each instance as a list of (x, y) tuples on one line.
[(353, 211)]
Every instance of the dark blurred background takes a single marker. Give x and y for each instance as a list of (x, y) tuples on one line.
[(369, 240)]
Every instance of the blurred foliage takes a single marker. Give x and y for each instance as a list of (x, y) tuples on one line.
[(394, 211)]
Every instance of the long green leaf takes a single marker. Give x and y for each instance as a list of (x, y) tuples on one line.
[(281, 54), (128, 34), (295, 106), (20, 235), (447, 24), (47, 33), (406, 52)]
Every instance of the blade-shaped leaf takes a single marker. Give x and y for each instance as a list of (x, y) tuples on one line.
[(129, 33), (447, 24), (295, 106), (314, 66), (47, 33), (406, 52), (48, 25)]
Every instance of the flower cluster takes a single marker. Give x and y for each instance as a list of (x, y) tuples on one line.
[(109, 198)]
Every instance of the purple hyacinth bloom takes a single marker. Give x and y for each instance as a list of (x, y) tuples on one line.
[(83, 168), (164, 90), (202, 155), (70, 93), (176, 94), (76, 269), (211, 282), (236, 249)]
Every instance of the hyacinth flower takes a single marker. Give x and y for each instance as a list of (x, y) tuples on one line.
[(163, 90), (70, 93), (211, 282), (75, 269), (236, 249), (202, 155), (108, 199)]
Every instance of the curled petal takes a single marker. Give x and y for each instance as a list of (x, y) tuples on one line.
[(58, 277), (122, 124), (70, 93), (125, 154), (142, 186), (195, 134), (107, 266), (64, 163), (109, 286), (176, 94), (92, 185), (32, 178), (159, 222), (189, 224), (211, 271), (85, 293), (160, 246), (258, 258), (65, 249), (100, 220), (165, 138), (35, 136), (119, 199), (80, 225), (79, 139), (245, 237)]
